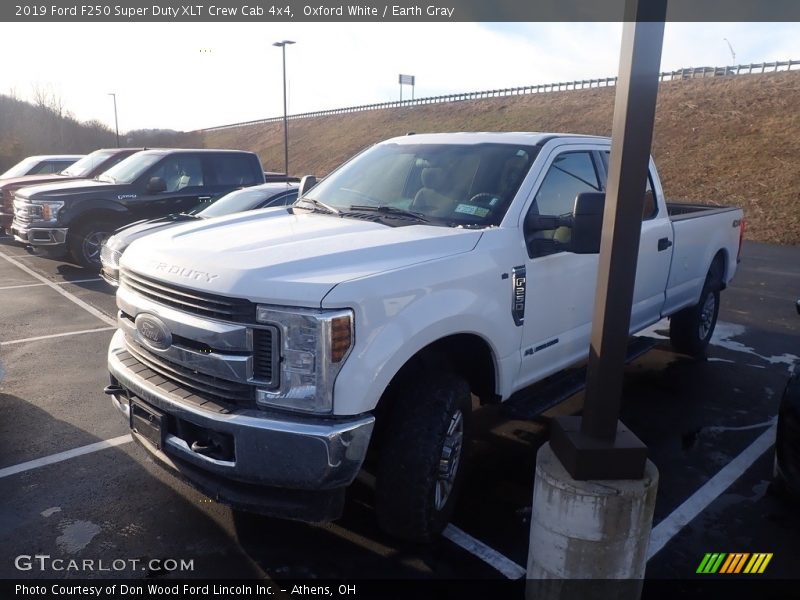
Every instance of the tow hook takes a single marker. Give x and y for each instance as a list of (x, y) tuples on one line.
[(112, 390), (213, 448)]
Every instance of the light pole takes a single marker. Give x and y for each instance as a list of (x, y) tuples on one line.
[(283, 45), (116, 122)]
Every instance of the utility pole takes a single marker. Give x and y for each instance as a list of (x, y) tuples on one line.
[(116, 122), (282, 45)]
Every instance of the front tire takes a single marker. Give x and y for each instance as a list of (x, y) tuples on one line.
[(421, 464), (86, 241)]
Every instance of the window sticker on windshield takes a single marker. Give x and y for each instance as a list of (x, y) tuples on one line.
[(471, 209)]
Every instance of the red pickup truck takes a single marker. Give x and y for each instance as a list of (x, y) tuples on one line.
[(87, 167)]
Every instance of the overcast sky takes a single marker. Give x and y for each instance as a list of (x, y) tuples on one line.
[(187, 75)]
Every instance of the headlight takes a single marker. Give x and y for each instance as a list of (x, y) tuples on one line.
[(111, 252), (48, 209), (313, 344)]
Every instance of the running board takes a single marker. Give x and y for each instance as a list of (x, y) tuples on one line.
[(531, 402)]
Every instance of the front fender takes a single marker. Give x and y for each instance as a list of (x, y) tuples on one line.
[(401, 312), (75, 211)]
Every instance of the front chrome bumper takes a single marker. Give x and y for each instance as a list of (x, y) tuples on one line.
[(270, 449), (39, 236)]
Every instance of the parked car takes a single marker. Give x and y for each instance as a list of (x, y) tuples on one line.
[(787, 440), (260, 356), (270, 176), (41, 165), (80, 215), (88, 167), (258, 196)]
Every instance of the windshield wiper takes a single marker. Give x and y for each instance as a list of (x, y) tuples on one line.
[(319, 205), (391, 211)]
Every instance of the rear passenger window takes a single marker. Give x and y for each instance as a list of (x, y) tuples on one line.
[(235, 170), (570, 174), (649, 205)]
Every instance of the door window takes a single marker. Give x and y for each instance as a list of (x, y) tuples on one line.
[(180, 172), (570, 174)]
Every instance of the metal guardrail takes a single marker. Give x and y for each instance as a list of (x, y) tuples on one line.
[(581, 84)]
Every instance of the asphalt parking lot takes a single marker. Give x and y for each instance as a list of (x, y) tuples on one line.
[(707, 424)]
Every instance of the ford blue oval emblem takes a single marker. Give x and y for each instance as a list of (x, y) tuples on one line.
[(152, 332)]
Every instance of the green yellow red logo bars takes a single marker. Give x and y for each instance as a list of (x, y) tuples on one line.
[(734, 563)]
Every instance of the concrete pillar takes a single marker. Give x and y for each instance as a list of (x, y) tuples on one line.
[(588, 530)]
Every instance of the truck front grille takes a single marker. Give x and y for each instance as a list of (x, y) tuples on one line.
[(204, 304), (22, 212), (182, 381)]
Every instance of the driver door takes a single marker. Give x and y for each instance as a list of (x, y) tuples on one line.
[(184, 177), (560, 284)]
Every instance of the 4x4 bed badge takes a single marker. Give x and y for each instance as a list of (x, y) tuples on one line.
[(152, 332)]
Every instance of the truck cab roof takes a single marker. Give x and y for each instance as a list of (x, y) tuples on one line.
[(513, 137)]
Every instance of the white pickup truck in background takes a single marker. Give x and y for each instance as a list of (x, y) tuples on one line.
[(264, 355)]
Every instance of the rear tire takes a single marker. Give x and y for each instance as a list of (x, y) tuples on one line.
[(86, 241), (690, 329), (421, 463)]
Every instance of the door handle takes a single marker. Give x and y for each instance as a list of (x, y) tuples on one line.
[(663, 244)]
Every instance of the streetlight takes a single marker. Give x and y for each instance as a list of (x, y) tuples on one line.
[(283, 45), (116, 122)]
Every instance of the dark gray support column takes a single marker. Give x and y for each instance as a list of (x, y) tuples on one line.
[(597, 446)]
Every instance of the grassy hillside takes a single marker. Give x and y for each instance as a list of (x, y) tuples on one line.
[(45, 127), (726, 140)]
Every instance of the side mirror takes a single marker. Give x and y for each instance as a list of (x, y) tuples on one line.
[(587, 222), (306, 183), (156, 185)]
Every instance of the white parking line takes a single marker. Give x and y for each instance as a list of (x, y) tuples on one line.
[(62, 456), (710, 491), (54, 335), (26, 255), (490, 556), (71, 297), (28, 285), (460, 538)]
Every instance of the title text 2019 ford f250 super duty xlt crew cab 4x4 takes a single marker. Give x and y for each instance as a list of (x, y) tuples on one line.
[(81, 215), (261, 355)]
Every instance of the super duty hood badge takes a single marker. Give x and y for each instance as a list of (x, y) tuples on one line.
[(180, 271)]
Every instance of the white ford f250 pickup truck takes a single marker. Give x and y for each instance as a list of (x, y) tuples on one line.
[(262, 355)]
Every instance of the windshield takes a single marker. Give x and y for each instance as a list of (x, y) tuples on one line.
[(131, 168), (21, 168), (236, 201), (444, 184), (87, 164)]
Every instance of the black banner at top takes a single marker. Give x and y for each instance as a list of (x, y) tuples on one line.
[(387, 10)]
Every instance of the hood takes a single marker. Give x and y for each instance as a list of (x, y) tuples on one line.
[(18, 182), (275, 257), (127, 234), (61, 190)]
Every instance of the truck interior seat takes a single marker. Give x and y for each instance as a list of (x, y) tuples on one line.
[(431, 199)]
